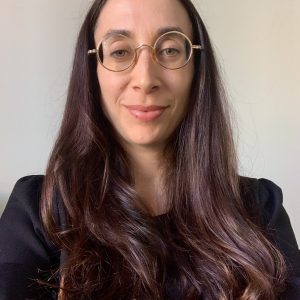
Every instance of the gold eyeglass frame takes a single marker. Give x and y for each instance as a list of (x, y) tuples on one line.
[(154, 56)]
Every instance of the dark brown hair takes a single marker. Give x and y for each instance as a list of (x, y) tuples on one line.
[(206, 245)]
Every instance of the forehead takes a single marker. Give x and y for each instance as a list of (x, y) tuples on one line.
[(143, 18)]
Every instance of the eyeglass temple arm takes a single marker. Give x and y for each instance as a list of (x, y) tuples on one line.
[(92, 51), (197, 47)]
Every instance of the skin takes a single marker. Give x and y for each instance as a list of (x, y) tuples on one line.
[(147, 83)]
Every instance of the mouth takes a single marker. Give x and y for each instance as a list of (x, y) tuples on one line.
[(146, 113)]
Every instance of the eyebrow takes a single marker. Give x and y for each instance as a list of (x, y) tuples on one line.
[(160, 31), (167, 29), (113, 32)]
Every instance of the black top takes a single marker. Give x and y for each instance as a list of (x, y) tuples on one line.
[(25, 250)]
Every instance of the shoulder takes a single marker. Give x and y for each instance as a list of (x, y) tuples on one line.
[(30, 183), (25, 249), (265, 196), (26, 193), (21, 217), (263, 200), (26, 196)]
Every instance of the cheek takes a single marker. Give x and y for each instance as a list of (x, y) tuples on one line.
[(182, 86), (189, 77), (107, 93), (111, 87), (182, 93), (108, 86)]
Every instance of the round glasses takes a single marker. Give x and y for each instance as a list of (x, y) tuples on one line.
[(172, 50)]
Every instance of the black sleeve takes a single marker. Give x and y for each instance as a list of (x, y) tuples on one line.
[(25, 252), (278, 226)]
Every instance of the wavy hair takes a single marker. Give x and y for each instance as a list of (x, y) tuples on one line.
[(206, 245)]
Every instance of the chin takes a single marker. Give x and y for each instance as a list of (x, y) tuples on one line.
[(145, 142)]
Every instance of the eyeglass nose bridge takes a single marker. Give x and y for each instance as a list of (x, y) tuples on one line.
[(153, 53)]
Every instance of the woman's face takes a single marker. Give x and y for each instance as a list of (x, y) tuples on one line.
[(144, 103)]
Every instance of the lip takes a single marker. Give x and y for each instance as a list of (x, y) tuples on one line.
[(146, 113)]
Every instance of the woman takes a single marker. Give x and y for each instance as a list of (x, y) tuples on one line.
[(141, 198)]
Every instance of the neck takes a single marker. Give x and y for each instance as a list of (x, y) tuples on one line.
[(147, 168)]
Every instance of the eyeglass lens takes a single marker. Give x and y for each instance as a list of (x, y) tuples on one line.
[(171, 50)]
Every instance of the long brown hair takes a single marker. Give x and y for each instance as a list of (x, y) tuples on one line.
[(206, 245)]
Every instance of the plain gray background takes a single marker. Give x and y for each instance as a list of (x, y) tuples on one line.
[(257, 43)]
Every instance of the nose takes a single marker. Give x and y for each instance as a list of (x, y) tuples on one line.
[(145, 73)]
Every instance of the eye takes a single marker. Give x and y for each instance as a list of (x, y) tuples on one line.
[(120, 53), (170, 51)]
